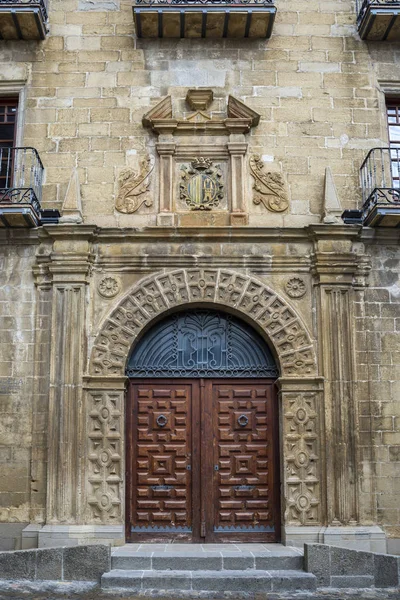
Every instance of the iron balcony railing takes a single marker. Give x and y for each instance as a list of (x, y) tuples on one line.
[(39, 4), (363, 5), (207, 2), (21, 176), (380, 178)]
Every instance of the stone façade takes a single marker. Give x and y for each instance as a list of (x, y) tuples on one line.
[(318, 91), (96, 289)]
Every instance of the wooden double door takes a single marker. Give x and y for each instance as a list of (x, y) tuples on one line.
[(202, 461)]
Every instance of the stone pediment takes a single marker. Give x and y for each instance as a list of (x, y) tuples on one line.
[(240, 118)]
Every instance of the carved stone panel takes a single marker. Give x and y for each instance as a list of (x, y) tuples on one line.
[(133, 187), (269, 186), (105, 413), (302, 458)]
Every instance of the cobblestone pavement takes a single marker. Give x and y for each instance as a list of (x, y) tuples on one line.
[(22, 590)]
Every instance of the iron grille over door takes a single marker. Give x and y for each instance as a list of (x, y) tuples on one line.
[(202, 343)]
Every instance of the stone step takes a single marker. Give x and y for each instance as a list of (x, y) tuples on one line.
[(203, 561), (209, 581)]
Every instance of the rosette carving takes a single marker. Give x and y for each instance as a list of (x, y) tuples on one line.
[(296, 287), (109, 287)]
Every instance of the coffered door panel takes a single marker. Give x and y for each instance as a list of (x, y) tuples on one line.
[(244, 502), (161, 459)]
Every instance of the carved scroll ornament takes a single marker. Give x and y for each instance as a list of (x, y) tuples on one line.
[(133, 185), (269, 187)]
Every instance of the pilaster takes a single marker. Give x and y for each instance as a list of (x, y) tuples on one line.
[(334, 269), (237, 152), (68, 267), (166, 152)]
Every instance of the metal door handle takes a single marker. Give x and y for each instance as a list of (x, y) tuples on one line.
[(243, 420), (161, 421)]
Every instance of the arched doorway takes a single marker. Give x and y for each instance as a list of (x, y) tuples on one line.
[(202, 432)]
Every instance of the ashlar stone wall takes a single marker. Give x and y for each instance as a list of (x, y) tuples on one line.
[(314, 83), (378, 368), (17, 351)]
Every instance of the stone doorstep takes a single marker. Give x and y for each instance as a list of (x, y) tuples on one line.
[(215, 561), (234, 581), (205, 549)]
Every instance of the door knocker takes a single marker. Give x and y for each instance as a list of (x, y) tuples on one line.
[(243, 420), (161, 421)]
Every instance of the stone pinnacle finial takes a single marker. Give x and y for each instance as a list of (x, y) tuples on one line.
[(72, 205), (332, 206)]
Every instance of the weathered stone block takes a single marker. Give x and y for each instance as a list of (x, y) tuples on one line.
[(317, 561), (350, 562), (49, 563), (347, 581), (86, 563), (386, 570), (18, 565)]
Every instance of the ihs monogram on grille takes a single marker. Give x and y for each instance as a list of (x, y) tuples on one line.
[(201, 185)]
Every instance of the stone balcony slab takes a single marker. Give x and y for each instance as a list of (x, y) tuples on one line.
[(201, 19), (379, 20)]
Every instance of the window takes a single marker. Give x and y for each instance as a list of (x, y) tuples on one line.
[(393, 116), (8, 129)]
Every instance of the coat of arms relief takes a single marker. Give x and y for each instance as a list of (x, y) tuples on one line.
[(201, 186)]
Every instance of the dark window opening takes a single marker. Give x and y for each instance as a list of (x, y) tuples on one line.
[(8, 129)]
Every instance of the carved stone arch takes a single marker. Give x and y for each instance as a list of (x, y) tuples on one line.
[(244, 294)]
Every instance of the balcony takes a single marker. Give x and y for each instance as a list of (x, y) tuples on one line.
[(21, 174), (378, 20), (23, 19), (204, 18), (380, 182)]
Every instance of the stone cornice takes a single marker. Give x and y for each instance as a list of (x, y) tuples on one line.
[(223, 234)]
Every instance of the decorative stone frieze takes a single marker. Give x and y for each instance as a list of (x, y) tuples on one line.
[(242, 293)]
